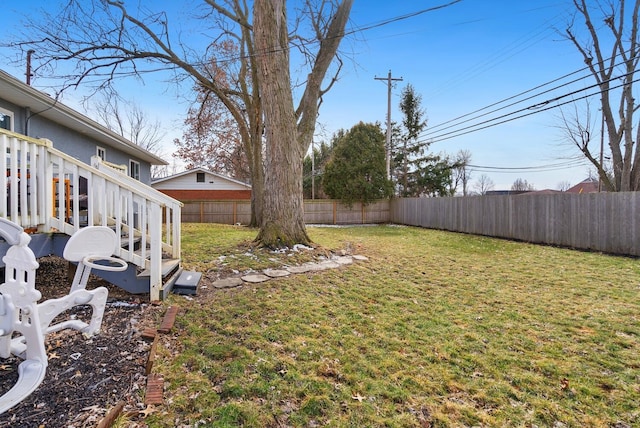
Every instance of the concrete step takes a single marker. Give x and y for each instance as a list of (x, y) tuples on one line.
[(187, 283)]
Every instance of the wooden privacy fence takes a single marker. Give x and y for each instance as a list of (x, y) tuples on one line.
[(223, 212), (608, 222), (319, 211)]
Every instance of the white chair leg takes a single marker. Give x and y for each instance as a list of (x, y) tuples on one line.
[(50, 309), (98, 303), (81, 277)]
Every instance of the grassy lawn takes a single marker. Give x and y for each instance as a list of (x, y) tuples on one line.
[(436, 329)]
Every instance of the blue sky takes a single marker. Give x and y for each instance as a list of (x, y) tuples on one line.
[(459, 59)]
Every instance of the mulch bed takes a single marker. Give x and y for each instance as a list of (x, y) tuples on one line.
[(86, 376)]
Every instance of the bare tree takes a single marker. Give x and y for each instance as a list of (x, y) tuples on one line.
[(131, 122), (461, 173), (611, 53), (577, 127), (104, 41), (211, 139), (564, 185), (522, 185), (484, 184)]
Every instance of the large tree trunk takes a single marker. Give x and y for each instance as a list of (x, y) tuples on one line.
[(257, 187), (283, 215)]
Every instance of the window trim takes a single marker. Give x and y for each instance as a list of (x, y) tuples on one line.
[(104, 153), (134, 165), (11, 115)]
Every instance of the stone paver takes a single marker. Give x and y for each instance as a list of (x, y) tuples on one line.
[(228, 283), (327, 264), (256, 278), (267, 274), (276, 273), (299, 269)]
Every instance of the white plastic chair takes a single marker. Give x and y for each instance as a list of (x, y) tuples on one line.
[(20, 312), (91, 247)]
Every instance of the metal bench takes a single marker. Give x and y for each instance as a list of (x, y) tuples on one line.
[(24, 323)]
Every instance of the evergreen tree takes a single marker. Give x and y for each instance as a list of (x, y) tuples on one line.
[(416, 172), (357, 169), (413, 123), (432, 176)]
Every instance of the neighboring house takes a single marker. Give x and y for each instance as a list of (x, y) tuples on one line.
[(505, 192), (543, 192), (586, 186), (200, 184), (30, 112)]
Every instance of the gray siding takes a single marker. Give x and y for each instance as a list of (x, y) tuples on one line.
[(68, 140)]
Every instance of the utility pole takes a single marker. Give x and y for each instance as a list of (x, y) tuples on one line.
[(313, 171), (390, 81), (29, 74), (601, 151)]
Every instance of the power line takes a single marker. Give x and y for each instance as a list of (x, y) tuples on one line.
[(538, 109), (432, 129), (399, 18), (349, 32), (529, 169), (510, 98), (493, 60)]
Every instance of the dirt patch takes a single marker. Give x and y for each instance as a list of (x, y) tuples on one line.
[(86, 376)]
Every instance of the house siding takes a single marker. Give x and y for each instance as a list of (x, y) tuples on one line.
[(186, 188), (207, 195), (34, 120), (82, 147), (189, 181)]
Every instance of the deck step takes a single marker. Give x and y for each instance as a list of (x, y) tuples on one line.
[(168, 282), (168, 265)]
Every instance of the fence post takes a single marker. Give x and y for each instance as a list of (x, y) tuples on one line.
[(235, 212), (335, 214)]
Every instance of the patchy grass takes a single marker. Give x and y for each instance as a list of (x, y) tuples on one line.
[(437, 329), (226, 250)]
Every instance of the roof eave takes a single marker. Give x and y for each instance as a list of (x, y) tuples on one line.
[(50, 108)]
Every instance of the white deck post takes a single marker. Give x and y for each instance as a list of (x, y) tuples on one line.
[(155, 229)]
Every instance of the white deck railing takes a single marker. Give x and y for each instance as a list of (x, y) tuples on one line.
[(46, 190)]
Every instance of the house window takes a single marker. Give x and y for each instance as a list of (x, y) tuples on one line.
[(6, 119), (134, 169), (199, 177), (101, 153)]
